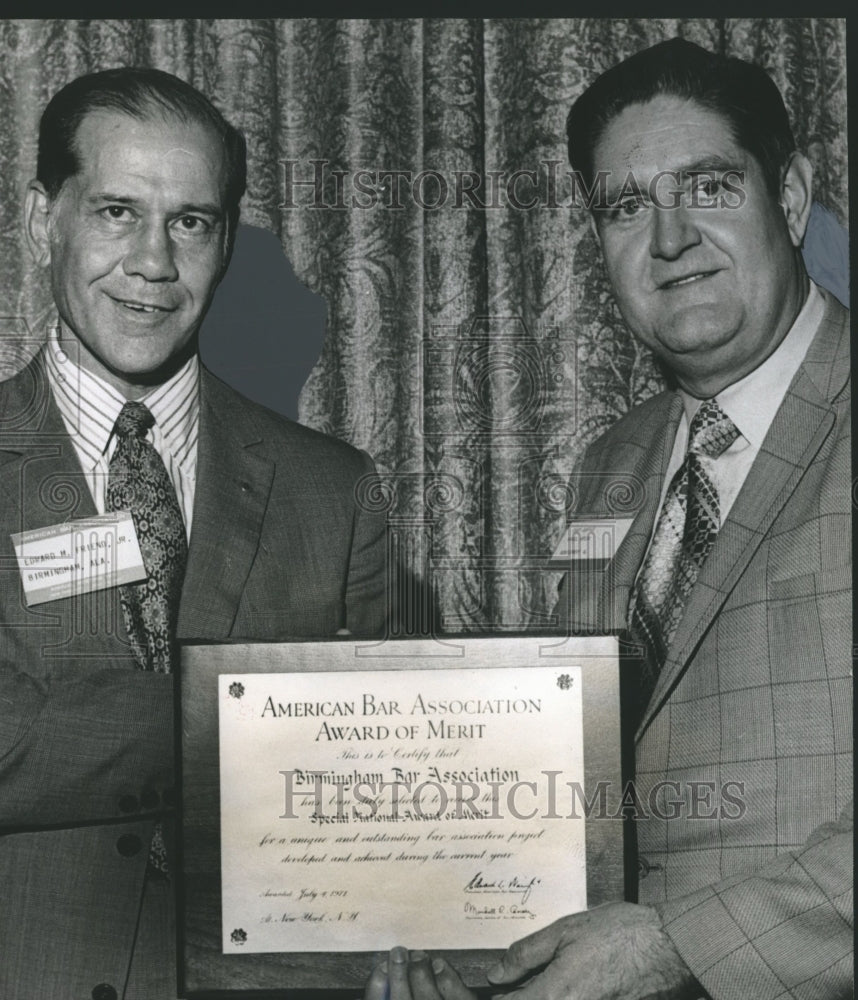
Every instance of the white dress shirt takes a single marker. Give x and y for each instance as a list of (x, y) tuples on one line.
[(89, 407), (751, 403)]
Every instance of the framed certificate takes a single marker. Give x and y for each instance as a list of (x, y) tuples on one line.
[(341, 797)]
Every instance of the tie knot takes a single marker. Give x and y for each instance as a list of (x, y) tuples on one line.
[(133, 421), (712, 431)]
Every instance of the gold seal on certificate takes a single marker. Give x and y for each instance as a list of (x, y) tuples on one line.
[(348, 775)]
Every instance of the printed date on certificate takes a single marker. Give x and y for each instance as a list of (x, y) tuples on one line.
[(344, 796)]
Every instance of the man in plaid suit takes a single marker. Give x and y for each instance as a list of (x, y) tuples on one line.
[(743, 733)]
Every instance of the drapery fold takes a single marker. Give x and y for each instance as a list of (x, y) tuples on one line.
[(472, 344)]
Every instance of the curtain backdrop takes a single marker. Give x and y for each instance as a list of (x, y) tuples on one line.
[(473, 351)]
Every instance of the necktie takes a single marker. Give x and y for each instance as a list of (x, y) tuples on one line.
[(138, 482), (687, 527)]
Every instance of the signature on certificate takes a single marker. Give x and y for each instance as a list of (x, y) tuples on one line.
[(521, 886)]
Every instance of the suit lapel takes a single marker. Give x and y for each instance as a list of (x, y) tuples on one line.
[(41, 484), (620, 575), (40, 473), (801, 425), (42, 481), (230, 499)]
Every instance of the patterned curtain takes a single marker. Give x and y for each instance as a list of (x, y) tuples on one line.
[(472, 344)]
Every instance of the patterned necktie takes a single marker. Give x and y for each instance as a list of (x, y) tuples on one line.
[(138, 481), (685, 533)]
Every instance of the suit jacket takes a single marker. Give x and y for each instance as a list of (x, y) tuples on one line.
[(279, 547), (743, 753)]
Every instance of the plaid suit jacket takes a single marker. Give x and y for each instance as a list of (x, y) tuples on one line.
[(743, 754), (279, 547)]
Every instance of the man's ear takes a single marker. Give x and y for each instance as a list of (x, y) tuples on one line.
[(797, 196), (37, 212)]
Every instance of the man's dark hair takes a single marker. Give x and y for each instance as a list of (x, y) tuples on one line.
[(141, 93), (742, 93)]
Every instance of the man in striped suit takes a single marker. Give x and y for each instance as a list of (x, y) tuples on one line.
[(248, 527)]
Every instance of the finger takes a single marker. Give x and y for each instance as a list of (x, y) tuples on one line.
[(449, 983), (376, 986), (532, 991), (420, 977), (546, 986), (397, 974), (527, 954)]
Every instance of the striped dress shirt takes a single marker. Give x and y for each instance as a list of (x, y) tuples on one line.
[(89, 407)]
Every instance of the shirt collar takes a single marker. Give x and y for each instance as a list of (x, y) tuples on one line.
[(752, 402), (89, 405), (175, 405)]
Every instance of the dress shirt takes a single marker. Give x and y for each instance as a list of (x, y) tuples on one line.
[(751, 403), (89, 407)]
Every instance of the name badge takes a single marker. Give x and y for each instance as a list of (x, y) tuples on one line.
[(78, 557), (595, 538)]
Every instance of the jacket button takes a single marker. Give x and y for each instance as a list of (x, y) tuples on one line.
[(104, 991), (645, 867), (128, 845), (149, 798), (129, 804)]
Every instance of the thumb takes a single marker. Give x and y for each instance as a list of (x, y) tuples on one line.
[(377, 987), (527, 954)]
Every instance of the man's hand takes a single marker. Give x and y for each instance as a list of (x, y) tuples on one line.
[(612, 951), (618, 951), (415, 977)]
